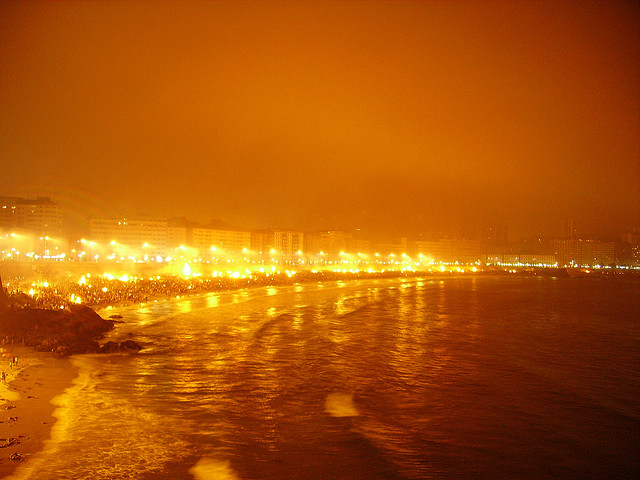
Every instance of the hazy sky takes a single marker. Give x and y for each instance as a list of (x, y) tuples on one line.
[(390, 116)]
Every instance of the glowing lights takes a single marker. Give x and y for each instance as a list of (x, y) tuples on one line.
[(116, 257)]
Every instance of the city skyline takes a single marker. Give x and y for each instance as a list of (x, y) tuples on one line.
[(49, 217), (385, 116), (31, 230)]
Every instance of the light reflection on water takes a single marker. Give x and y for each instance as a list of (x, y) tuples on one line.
[(423, 378)]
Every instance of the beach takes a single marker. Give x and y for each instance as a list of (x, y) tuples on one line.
[(26, 410)]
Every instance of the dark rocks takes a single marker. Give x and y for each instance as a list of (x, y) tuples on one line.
[(62, 332), (114, 347), (110, 347), (130, 345), (61, 351)]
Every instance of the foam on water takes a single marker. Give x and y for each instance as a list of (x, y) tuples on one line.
[(210, 469), (125, 440), (340, 405)]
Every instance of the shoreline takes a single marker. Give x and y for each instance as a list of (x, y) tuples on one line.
[(26, 408)]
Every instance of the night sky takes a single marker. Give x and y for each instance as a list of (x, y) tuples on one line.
[(395, 117)]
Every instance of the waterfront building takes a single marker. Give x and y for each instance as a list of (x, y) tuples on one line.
[(446, 248), (284, 246), (631, 242), (584, 252), (177, 236), (227, 241), (330, 243), (262, 242), (520, 259), (42, 216), (141, 232), (398, 247), (288, 245), (358, 245), (569, 230)]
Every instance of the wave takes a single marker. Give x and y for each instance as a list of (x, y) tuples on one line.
[(210, 469)]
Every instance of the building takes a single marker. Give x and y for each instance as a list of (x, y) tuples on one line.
[(398, 247), (533, 260), (177, 236), (225, 241), (631, 242), (42, 216), (569, 230), (146, 233), (584, 252), (329, 243), (262, 243), (288, 245), (447, 249)]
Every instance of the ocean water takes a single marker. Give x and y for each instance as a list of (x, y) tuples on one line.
[(421, 378)]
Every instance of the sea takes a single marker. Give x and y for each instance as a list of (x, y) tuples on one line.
[(453, 377)]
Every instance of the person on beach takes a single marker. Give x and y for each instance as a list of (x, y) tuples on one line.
[(3, 377)]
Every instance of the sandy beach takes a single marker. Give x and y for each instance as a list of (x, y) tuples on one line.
[(25, 402)]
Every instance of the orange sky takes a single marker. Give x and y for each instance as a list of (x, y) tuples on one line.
[(390, 116)]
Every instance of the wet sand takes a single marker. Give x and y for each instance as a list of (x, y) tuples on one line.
[(25, 402)]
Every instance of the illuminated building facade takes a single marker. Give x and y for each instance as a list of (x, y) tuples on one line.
[(533, 260), (448, 249), (176, 236), (584, 252), (41, 216), (331, 243), (395, 248), (288, 244), (632, 242), (146, 232), (229, 241)]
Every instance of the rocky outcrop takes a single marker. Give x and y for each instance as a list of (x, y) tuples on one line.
[(63, 332)]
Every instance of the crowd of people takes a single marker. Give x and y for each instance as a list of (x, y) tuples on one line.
[(101, 291)]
